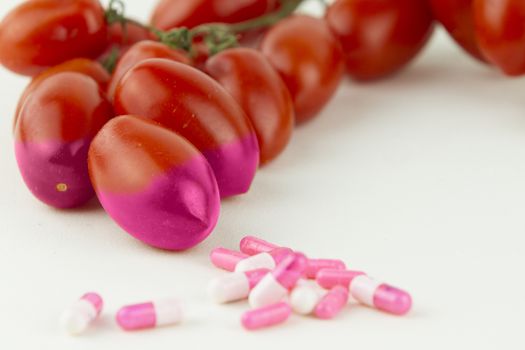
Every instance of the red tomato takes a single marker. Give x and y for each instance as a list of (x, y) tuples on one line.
[(171, 14), (309, 59), (380, 37), (457, 17), (56, 126), (192, 104), (43, 33), (500, 30), (248, 76), (79, 65), (140, 52), (118, 39)]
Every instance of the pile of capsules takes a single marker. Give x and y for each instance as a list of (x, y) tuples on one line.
[(275, 281)]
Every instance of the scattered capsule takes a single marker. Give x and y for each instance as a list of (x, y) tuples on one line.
[(275, 285), (330, 278), (149, 315), (226, 259), (265, 260), (235, 286), (316, 265), (79, 316), (252, 245), (332, 303), (304, 298), (380, 296), (266, 316)]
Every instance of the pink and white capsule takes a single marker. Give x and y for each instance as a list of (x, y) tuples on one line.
[(252, 245), (79, 316), (235, 286), (330, 278), (153, 314), (380, 296), (332, 303), (275, 286), (226, 259), (265, 260), (267, 316), (304, 298), (315, 265)]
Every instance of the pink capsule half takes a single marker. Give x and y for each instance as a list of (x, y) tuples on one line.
[(226, 259), (330, 278), (235, 286), (267, 316), (265, 260), (315, 265), (252, 245), (380, 295), (149, 315), (332, 303)]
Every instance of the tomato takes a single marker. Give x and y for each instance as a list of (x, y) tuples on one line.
[(457, 16), (154, 183), (308, 58), (248, 76), (192, 104), (500, 30), (140, 52), (43, 33), (52, 138), (379, 37), (122, 40), (171, 14), (79, 65)]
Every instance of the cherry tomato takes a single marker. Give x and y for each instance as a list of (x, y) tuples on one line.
[(154, 183), (380, 37), (192, 104), (309, 59), (43, 33), (56, 126), (248, 76), (140, 52), (500, 30), (79, 65), (457, 16), (171, 14)]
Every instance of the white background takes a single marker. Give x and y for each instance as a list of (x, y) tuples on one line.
[(418, 179)]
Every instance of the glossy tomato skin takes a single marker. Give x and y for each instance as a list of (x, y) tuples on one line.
[(39, 34), (123, 40), (84, 66), (500, 30), (308, 58), (248, 76), (154, 183), (52, 138), (171, 14), (457, 16), (380, 37), (192, 104), (142, 51)]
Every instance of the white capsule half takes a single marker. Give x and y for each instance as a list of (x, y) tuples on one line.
[(304, 299), (79, 316), (254, 262), (232, 287), (268, 291)]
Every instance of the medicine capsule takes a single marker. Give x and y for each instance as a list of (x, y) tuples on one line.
[(329, 278), (267, 316), (79, 316), (252, 245), (332, 303), (235, 286), (226, 259), (275, 285), (380, 296), (149, 315), (304, 298), (316, 265), (265, 260)]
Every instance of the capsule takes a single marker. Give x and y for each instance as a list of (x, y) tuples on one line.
[(252, 245), (226, 259), (235, 286), (79, 316), (332, 303), (275, 285), (380, 296), (316, 265), (153, 314), (330, 278), (265, 260), (266, 316), (304, 298)]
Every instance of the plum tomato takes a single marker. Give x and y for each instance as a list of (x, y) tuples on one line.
[(154, 183), (56, 126), (189, 102), (379, 37), (39, 34), (248, 76), (309, 59)]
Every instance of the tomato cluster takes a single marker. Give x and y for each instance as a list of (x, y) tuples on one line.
[(166, 134)]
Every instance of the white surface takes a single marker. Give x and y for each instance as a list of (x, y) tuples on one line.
[(419, 180)]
